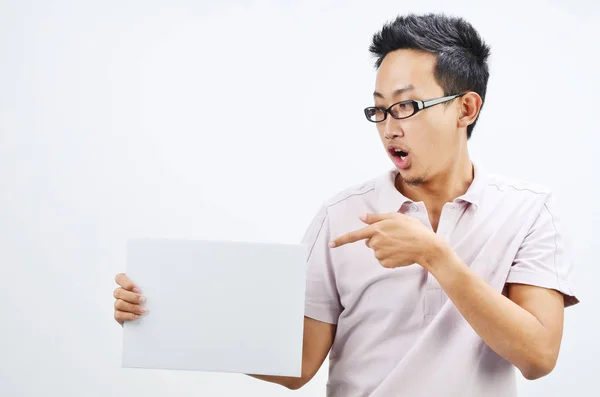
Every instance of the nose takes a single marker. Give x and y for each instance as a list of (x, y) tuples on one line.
[(391, 128)]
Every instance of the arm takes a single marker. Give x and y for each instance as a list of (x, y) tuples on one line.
[(317, 341), (525, 328)]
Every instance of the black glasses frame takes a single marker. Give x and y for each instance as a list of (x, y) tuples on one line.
[(417, 106)]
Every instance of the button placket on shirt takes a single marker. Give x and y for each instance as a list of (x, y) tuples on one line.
[(434, 292)]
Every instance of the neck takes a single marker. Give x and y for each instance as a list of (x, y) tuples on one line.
[(443, 187)]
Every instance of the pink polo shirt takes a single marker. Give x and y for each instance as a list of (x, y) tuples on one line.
[(398, 334)]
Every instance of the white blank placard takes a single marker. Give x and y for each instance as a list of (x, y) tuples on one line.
[(217, 306)]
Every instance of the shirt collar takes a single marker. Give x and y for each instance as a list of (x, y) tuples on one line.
[(391, 200), (476, 189)]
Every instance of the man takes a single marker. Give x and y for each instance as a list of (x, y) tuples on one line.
[(437, 278)]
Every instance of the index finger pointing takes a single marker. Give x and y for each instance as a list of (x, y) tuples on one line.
[(352, 237)]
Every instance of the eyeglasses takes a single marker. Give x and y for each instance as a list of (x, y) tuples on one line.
[(405, 109)]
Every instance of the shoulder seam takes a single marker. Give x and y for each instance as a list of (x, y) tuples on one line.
[(517, 188), (312, 247), (326, 210), (350, 195)]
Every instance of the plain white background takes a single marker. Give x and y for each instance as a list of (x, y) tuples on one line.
[(236, 120)]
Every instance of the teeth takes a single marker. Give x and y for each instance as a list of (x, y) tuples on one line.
[(403, 155)]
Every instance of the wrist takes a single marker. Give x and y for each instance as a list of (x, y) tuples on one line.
[(444, 265), (438, 255)]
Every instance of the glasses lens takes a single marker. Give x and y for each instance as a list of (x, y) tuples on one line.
[(403, 109), (374, 114)]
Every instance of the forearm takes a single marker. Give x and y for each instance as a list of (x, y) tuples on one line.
[(286, 381), (317, 341), (511, 331)]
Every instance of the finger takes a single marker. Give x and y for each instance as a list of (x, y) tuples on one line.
[(126, 283), (374, 218), (121, 317), (386, 263), (373, 242), (129, 296), (122, 306), (352, 237)]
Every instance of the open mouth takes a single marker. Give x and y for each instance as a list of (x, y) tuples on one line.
[(401, 154), (400, 157)]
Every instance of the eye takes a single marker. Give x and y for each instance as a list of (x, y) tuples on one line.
[(403, 109), (375, 114)]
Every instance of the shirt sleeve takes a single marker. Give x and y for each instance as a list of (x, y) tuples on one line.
[(322, 301), (544, 258)]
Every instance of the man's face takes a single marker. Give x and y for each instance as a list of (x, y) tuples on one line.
[(431, 137)]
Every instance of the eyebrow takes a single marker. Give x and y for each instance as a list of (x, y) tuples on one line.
[(396, 92)]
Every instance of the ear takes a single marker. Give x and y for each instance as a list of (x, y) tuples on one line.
[(470, 105)]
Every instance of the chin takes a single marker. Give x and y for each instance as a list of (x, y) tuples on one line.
[(410, 178), (415, 181)]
